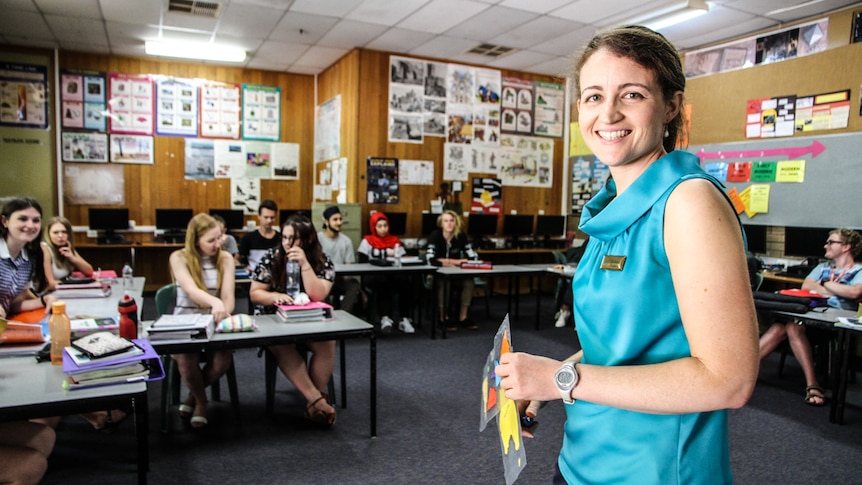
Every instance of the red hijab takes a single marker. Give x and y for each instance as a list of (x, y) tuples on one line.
[(387, 242)]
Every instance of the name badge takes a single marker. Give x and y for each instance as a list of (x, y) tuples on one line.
[(613, 263)]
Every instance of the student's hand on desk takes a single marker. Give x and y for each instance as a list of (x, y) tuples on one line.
[(218, 311), (49, 299), (282, 299), (526, 376)]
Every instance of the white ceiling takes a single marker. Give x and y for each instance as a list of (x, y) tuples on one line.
[(306, 36)]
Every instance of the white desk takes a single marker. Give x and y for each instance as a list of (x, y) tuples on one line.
[(30, 390), (106, 307)]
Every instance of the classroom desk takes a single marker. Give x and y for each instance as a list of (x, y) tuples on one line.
[(271, 331), (826, 319), (148, 259), (29, 390), (107, 306)]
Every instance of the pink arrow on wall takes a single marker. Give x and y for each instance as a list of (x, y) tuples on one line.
[(815, 148)]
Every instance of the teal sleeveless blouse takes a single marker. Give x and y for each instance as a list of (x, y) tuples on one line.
[(631, 317)]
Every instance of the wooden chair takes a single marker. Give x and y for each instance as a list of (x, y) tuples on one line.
[(165, 296)]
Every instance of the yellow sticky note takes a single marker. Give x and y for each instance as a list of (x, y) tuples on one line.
[(745, 197), (577, 145), (790, 171), (759, 198)]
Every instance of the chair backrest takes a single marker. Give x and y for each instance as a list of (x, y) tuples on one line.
[(559, 257), (164, 297)]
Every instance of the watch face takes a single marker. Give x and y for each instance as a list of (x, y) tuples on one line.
[(565, 378)]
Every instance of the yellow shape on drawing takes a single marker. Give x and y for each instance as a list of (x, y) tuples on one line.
[(509, 424)]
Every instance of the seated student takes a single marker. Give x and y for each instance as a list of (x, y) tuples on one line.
[(204, 274), (268, 288), (24, 450), (841, 281), (60, 256), (448, 246), (255, 243), (339, 248), (228, 242), (564, 314), (391, 293)]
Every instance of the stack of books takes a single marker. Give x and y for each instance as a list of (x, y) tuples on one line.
[(477, 265), (192, 326), (93, 289), (103, 359), (82, 327), (310, 312)]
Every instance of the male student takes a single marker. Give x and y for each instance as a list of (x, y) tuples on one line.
[(254, 244), (339, 248)]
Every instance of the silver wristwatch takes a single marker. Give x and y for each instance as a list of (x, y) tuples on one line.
[(566, 378)]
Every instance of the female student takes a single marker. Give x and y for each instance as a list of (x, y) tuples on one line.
[(448, 246), (61, 258), (21, 258), (663, 353), (268, 288), (204, 274)]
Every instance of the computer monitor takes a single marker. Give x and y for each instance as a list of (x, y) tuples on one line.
[(110, 221), (283, 214), (397, 223), (174, 223), (479, 225), (550, 226), (233, 219), (429, 223), (756, 236), (806, 242), (516, 225)]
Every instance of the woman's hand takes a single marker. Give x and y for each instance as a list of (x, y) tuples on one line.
[(528, 377), (296, 253), (281, 299), (218, 311)]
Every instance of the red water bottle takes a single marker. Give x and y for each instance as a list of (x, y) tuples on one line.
[(128, 317)]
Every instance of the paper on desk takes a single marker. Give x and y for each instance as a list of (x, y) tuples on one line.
[(851, 323)]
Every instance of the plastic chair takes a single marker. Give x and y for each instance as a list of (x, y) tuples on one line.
[(165, 296)]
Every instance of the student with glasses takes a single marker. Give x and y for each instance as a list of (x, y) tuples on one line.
[(840, 279)]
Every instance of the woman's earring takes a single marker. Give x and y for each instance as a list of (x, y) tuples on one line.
[(666, 133)]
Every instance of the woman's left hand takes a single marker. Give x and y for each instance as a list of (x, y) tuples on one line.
[(296, 253), (281, 299), (526, 376), (49, 299)]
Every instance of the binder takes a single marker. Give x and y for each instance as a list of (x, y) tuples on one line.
[(149, 358), (310, 312)]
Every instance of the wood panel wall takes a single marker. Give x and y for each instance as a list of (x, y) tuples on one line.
[(362, 80), (162, 185)]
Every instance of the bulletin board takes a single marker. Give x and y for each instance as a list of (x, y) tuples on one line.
[(831, 194)]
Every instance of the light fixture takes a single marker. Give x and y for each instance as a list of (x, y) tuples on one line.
[(194, 50), (671, 14)]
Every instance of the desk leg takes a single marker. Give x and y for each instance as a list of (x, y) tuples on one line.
[(140, 407), (372, 339), (836, 410), (343, 375)]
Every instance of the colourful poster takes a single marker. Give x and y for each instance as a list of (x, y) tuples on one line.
[(130, 103), (739, 172), (763, 171), (176, 107), (220, 110), (487, 196), (23, 95), (790, 171), (261, 112)]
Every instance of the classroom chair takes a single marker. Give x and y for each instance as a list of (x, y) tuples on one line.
[(270, 372), (165, 296)]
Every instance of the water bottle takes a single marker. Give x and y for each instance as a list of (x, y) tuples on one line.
[(128, 309), (397, 253), (292, 275), (61, 330), (128, 276)]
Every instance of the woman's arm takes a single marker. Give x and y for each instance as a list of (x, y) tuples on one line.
[(261, 294), (80, 263), (228, 285), (48, 266), (197, 295), (704, 247)]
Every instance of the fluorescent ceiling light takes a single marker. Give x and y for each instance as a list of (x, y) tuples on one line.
[(195, 50), (672, 14)]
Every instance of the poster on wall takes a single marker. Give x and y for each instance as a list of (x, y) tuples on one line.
[(258, 162), (382, 174), (285, 161), (245, 194), (434, 112), (517, 106), (261, 112), (416, 172), (549, 111), (229, 158), (132, 149), (82, 100), (406, 99), (85, 147), (93, 184), (199, 159), (827, 111), (454, 161), (130, 103), (770, 117), (487, 196), (220, 110), (176, 107), (327, 130), (486, 107), (23, 89)]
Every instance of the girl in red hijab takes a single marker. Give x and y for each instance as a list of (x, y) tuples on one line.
[(390, 294)]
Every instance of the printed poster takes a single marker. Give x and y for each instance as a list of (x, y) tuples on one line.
[(487, 196), (406, 99), (176, 107), (199, 159), (549, 110), (132, 149), (382, 175), (327, 130), (23, 95), (285, 161), (517, 106), (220, 110), (85, 147), (130, 103), (229, 158), (261, 112)]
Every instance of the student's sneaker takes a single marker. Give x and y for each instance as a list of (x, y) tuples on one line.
[(561, 318), (386, 325), (405, 326)]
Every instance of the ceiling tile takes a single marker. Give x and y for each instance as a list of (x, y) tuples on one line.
[(249, 44), (78, 30), (568, 43), (31, 42), (70, 8), (332, 8), (126, 32), (348, 34), (321, 57), (312, 27), (535, 32), (443, 47), (537, 6), (520, 60), (131, 11), (26, 5), (87, 47), (446, 14), (384, 12), (299, 69), (250, 21), (399, 40), (272, 51), (557, 67), (491, 23), (267, 65), (591, 11), (24, 24)]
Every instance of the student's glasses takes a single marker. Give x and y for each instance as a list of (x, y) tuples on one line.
[(833, 242)]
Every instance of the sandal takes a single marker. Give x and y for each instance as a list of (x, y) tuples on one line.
[(319, 416), (185, 411), (109, 425), (812, 393), (199, 421)]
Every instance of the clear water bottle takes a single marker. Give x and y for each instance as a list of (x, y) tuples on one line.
[(292, 275), (128, 276), (397, 253)]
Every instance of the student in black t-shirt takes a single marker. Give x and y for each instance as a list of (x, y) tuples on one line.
[(254, 244)]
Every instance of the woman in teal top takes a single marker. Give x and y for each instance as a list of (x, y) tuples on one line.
[(665, 315)]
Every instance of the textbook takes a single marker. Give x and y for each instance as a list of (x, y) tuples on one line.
[(477, 265), (144, 365), (96, 289), (85, 326), (84, 361), (189, 326), (310, 312)]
